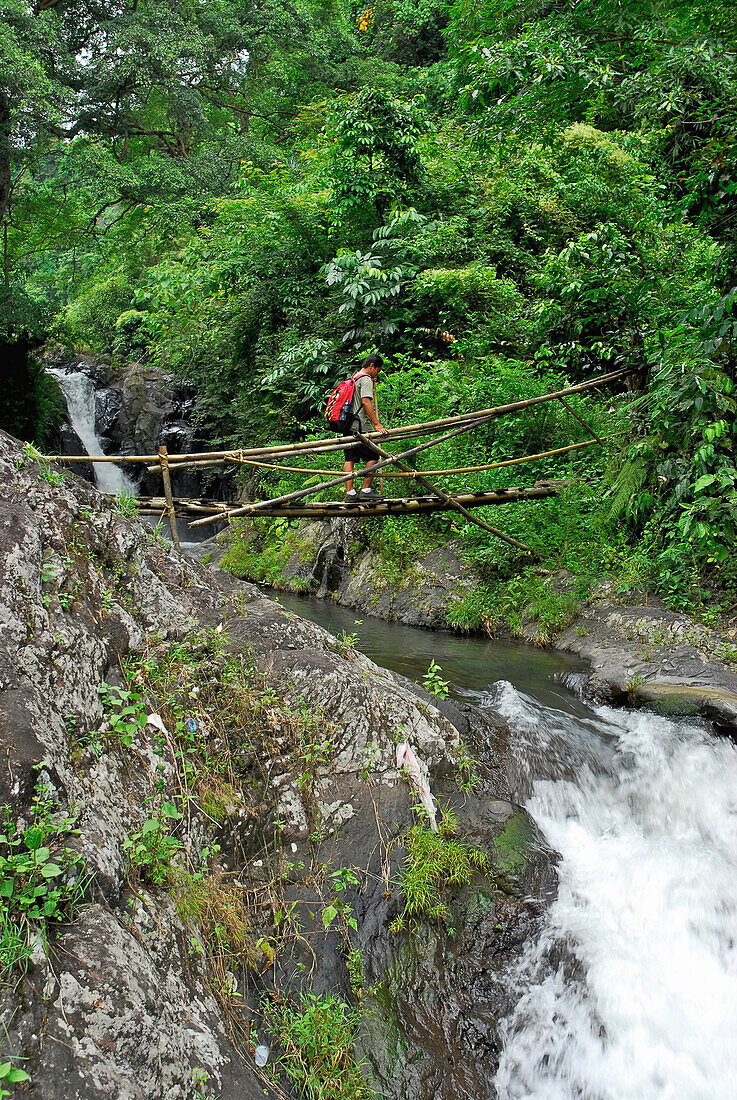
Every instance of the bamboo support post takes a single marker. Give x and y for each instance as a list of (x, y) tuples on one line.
[(448, 499), (581, 420), (164, 463)]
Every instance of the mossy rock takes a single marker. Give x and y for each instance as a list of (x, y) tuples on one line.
[(510, 852)]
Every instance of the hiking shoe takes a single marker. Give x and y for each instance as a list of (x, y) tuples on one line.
[(370, 495), (350, 498)]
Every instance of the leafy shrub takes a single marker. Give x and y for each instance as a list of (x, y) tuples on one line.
[(151, 848), (131, 338), (125, 712), (317, 1034), (90, 318), (41, 880)]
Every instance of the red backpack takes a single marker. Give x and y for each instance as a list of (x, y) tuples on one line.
[(338, 411)]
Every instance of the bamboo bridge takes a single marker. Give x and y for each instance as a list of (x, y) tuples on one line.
[(389, 465)]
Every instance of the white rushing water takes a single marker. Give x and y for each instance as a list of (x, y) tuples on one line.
[(631, 992), (79, 392)]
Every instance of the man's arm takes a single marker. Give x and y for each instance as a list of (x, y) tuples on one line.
[(368, 408)]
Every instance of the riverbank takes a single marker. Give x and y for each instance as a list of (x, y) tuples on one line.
[(639, 652)]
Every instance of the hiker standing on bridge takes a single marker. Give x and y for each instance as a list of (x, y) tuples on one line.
[(365, 419)]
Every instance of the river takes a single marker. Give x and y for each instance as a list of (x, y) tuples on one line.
[(630, 993)]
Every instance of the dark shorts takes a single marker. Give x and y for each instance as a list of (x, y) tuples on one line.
[(359, 453)]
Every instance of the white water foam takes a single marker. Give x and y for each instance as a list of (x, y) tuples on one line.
[(79, 392), (631, 991)]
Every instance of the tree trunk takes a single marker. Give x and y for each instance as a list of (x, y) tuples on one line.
[(5, 177)]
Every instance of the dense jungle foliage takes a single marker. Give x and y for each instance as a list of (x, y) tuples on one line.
[(500, 196)]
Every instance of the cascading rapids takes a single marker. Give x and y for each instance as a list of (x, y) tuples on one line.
[(631, 992)]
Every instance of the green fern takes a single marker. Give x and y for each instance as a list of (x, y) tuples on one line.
[(625, 494)]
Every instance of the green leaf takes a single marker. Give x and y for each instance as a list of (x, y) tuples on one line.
[(51, 870), (329, 914), (16, 1076), (33, 838), (168, 809)]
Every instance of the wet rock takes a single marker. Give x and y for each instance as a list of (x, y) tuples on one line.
[(138, 407), (107, 411), (449, 993), (652, 656)]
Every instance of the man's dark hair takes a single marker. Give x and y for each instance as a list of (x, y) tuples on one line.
[(373, 360)]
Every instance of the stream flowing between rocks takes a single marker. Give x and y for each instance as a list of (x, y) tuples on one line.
[(631, 989)]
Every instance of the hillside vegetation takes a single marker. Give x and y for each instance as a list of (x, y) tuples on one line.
[(502, 197)]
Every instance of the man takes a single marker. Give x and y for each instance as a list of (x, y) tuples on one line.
[(365, 419)]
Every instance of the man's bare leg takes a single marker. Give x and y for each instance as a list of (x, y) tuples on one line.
[(367, 480), (348, 469)]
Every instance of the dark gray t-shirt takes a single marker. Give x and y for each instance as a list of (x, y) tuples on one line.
[(364, 388)]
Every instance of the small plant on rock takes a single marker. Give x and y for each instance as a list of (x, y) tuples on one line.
[(346, 643), (125, 712), (433, 682), (435, 862), (50, 474), (10, 1075), (41, 880), (126, 505), (317, 1035), (151, 848)]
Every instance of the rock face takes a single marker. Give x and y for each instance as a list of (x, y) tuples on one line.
[(138, 407), (654, 656), (272, 768), (146, 407)]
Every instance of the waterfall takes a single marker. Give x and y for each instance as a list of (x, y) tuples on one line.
[(631, 991), (79, 393)]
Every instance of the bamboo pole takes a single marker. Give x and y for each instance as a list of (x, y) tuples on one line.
[(102, 458), (394, 459), (470, 499), (389, 506), (164, 462), (342, 478), (447, 499), (410, 473), (581, 420)]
